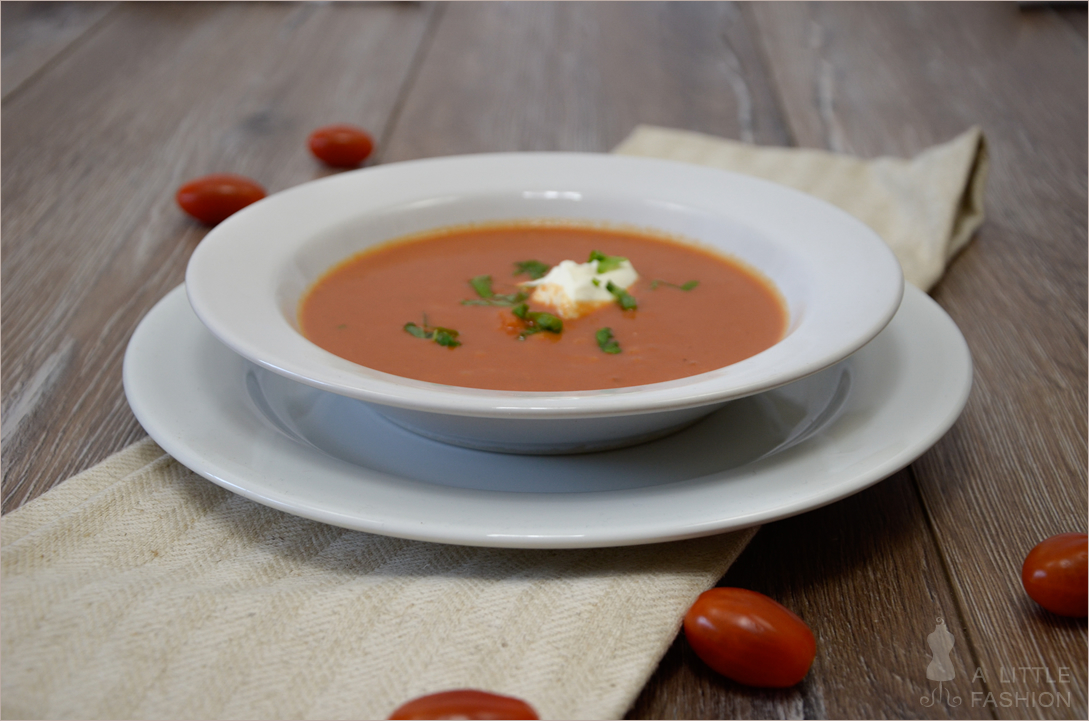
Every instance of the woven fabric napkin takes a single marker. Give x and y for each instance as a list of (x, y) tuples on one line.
[(926, 208), (137, 589)]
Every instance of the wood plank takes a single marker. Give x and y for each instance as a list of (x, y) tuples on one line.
[(868, 579), (892, 80), (33, 34), (94, 151), (1075, 15), (581, 76)]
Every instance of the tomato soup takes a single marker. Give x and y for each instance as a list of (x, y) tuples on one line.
[(447, 307)]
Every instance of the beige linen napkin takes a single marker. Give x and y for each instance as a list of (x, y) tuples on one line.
[(137, 589), (926, 208)]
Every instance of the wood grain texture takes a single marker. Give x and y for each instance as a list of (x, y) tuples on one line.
[(107, 111), (868, 580), (34, 34), (1013, 469), (581, 76), (1075, 15), (91, 235)]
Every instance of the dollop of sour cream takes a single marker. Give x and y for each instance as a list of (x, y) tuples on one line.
[(575, 289)]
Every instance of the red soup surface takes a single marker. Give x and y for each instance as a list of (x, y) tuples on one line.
[(360, 308)]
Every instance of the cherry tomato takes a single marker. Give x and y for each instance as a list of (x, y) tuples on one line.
[(342, 146), (465, 704), (212, 198), (746, 636), (1055, 574)]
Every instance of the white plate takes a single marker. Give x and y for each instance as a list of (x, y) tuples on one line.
[(330, 458)]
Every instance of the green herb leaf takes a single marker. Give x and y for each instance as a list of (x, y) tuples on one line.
[(446, 337), (687, 286), (627, 302), (482, 284), (417, 331), (606, 342), (605, 263), (498, 300), (536, 321), (535, 269), (547, 321)]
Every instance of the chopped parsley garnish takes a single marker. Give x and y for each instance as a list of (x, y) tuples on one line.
[(482, 284), (536, 321), (605, 263), (535, 269), (627, 302), (606, 342), (686, 286), (446, 337), (498, 300)]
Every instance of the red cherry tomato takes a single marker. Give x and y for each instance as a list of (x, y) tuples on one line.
[(746, 636), (212, 198), (342, 146), (465, 704), (1055, 574)]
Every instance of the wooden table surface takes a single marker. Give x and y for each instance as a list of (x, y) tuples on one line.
[(107, 108)]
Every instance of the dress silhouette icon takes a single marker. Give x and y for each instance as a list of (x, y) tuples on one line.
[(941, 643), (941, 666)]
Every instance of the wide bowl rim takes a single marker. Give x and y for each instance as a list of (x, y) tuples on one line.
[(241, 313)]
